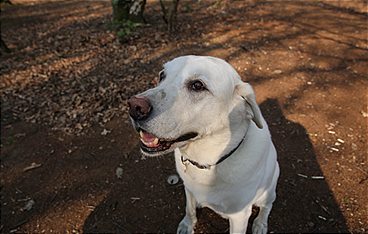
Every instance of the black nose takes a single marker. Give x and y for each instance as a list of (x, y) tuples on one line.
[(139, 107)]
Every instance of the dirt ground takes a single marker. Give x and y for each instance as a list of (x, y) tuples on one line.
[(70, 160)]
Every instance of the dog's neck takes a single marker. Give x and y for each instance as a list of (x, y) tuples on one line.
[(214, 148)]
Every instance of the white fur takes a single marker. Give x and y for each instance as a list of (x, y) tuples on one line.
[(221, 116)]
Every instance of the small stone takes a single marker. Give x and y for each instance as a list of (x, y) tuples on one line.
[(311, 224), (28, 206), (334, 149), (365, 114), (173, 179), (105, 132), (119, 172)]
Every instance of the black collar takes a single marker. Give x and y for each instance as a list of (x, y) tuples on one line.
[(194, 163)]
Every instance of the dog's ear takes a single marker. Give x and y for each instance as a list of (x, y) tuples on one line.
[(245, 90)]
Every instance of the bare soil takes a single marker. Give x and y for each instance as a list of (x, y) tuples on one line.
[(70, 160)]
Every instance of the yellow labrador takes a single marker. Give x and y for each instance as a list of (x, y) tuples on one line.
[(203, 111)]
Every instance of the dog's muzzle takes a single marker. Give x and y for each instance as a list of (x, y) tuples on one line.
[(140, 108)]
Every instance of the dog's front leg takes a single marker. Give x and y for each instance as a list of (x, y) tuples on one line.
[(260, 223), (239, 221), (186, 226)]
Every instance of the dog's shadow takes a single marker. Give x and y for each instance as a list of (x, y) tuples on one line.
[(304, 203), (143, 201)]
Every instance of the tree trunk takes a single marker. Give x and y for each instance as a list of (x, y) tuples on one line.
[(3, 46), (128, 10)]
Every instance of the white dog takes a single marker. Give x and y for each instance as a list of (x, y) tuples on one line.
[(223, 148)]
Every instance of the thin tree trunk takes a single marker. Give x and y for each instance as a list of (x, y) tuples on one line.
[(169, 13), (3, 46)]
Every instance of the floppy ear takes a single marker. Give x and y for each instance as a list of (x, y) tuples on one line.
[(246, 92)]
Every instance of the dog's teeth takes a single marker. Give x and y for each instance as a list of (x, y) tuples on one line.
[(149, 142)]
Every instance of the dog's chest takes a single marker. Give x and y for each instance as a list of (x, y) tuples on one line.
[(225, 190), (206, 187), (213, 193)]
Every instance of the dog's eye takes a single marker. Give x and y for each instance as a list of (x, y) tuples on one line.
[(162, 75), (197, 85)]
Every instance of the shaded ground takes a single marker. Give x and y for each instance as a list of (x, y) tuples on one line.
[(67, 79)]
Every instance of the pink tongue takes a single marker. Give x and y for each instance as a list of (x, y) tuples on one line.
[(147, 137)]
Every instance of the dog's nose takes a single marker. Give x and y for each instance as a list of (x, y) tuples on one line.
[(139, 107)]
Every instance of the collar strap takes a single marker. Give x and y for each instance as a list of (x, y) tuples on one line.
[(194, 163)]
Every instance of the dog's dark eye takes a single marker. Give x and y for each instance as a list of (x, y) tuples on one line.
[(162, 75), (197, 85)]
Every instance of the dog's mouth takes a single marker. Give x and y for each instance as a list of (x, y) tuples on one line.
[(150, 144)]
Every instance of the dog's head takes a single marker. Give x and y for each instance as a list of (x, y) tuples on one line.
[(195, 97)]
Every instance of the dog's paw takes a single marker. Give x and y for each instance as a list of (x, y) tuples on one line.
[(259, 227), (185, 227)]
